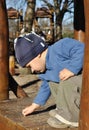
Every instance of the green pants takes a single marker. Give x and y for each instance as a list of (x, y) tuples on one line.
[(67, 97)]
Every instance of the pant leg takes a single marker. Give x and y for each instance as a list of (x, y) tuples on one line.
[(54, 90), (68, 97)]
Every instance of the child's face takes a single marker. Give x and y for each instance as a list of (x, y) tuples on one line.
[(37, 65)]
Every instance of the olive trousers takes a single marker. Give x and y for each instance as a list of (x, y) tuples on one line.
[(67, 97)]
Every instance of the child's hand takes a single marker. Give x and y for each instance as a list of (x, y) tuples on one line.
[(30, 109), (65, 74)]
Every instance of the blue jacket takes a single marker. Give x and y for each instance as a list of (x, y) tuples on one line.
[(66, 53)]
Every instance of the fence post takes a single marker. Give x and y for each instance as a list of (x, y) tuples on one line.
[(84, 106), (79, 20), (4, 62)]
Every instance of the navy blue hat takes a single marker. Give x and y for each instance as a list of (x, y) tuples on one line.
[(27, 47)]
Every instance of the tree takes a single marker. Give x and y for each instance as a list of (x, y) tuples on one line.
[(29, 16), (60, 7)]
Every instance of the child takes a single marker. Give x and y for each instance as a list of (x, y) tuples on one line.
[(59, 62)]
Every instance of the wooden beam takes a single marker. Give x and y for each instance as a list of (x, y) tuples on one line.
[(84, 106), (79, 20), (4, 40)]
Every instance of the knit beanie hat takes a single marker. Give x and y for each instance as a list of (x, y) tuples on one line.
[(27, 47)]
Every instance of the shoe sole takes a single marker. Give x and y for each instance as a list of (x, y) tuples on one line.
[(54, 125), (54, 114)]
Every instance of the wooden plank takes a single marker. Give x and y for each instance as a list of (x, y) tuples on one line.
[(11, 117)]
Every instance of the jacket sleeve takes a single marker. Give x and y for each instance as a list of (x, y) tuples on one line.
[(73, 52), (43, 94)]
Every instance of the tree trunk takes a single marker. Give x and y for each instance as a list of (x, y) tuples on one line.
[(58, 23), (58, 32), (29, 16), (4, 62)]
